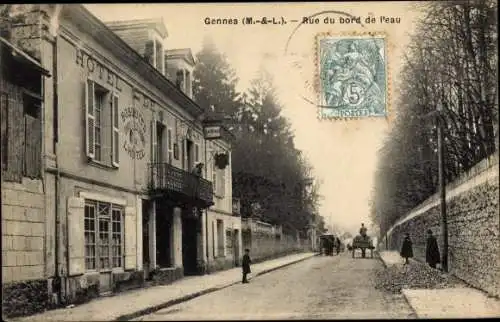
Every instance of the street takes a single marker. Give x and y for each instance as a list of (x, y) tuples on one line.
[(322, 287)]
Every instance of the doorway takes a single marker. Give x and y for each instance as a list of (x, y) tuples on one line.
[(189, 242), (236, 247), (164, 214), (146, 261)]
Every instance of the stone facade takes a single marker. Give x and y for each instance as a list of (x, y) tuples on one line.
[(473, 227), (108, 114)]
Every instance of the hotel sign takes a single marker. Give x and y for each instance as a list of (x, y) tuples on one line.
[(212, 132)]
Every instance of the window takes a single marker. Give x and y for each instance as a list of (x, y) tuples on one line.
[(196, 152), (102, 124), (229, 239), (169, 145), (159, 60), (32, 150), (220, 238), (157, 130), (103, 235)]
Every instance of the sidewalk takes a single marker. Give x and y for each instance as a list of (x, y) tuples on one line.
[(453, 302), (131, 304)]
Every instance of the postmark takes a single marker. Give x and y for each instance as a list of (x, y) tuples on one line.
[(351, 78)]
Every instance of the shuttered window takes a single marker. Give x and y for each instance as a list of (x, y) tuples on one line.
[(102, 131)]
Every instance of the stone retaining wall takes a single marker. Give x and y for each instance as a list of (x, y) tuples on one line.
[(264, 246), (473, 227)]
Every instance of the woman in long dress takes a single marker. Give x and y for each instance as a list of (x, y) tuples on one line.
[(407, 248)]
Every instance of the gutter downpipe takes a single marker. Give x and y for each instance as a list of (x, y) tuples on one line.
[(58, 174)]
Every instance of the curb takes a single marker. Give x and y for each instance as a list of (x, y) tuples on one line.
[(185, 298), (284, 265)]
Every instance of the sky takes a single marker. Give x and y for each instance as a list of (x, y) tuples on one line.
[(342, 152)]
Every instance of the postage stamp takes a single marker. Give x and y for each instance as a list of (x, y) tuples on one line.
[(351, 75)]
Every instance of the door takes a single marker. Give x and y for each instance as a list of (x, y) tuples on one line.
[(145, 238), (236, 247)]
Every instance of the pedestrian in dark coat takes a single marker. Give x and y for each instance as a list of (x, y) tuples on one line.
[(406, 249), (245, 265), (432, 256)]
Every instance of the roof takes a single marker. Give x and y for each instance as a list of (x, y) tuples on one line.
[(184, 53), (89, 23), (23, 57), (156, 23)]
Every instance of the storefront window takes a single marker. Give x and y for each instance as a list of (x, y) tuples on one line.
[(108, 219)]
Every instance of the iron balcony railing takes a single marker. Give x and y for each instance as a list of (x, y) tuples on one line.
[(181, 185)]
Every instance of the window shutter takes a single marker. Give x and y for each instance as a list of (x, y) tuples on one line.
[(76, 238), (154, 143), (169, 145), (130, 238), (214, 179), (116, 132), (90, 118)]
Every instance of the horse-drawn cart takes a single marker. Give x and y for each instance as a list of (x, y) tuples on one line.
[(363, 243), (327, 244)]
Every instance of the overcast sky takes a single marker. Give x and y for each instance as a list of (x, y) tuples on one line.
[(343, 153)]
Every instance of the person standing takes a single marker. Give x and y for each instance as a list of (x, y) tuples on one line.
[(363, 230), (432, 256), (407, 249), (245, 265)]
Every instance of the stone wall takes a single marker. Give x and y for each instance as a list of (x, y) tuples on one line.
[(23, 230), (264, 246), (473, 227)]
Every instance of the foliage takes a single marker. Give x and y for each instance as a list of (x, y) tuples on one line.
[(267, 169), (452, 64)]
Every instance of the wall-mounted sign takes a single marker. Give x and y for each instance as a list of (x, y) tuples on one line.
[(212, 132), (221, 160), (134, 128), (97, 69)]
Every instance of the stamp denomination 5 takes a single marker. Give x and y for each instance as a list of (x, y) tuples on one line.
[(351, 75)]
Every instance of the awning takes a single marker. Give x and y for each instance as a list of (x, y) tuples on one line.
[(21, 56)]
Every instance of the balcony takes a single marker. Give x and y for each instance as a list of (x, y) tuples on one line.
[(179, 186)]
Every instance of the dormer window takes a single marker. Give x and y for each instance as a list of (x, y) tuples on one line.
[(159, 60), (179, 79), (155, 54)]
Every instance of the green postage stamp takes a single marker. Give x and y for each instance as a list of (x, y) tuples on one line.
[(351, 75)]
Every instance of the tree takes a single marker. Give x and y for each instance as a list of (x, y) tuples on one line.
[(267, 169), (452, 64), (214, 81)]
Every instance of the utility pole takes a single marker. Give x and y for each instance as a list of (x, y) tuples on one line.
[(442, 190)]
